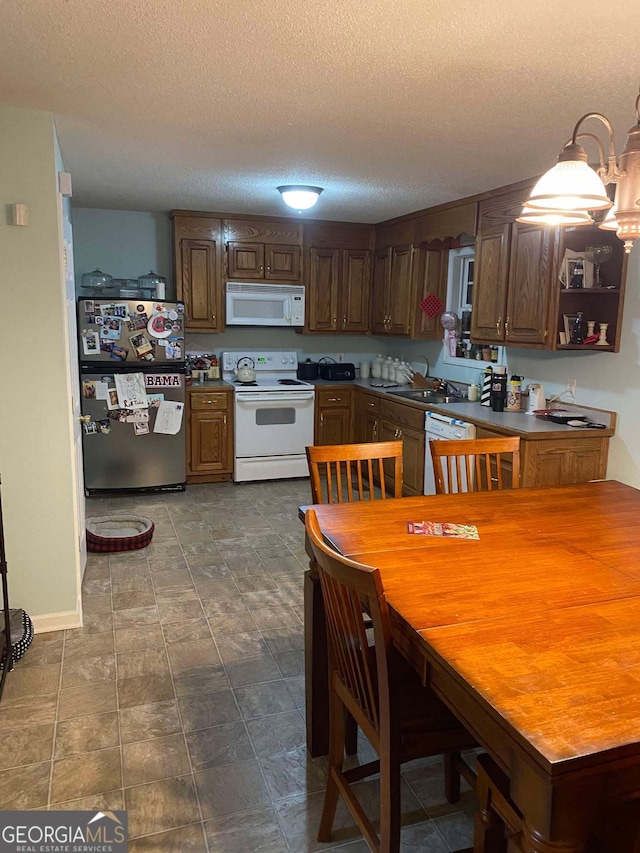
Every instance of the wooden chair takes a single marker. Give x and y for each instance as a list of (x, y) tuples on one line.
[(402, 719), (351, 471), (475, 464)]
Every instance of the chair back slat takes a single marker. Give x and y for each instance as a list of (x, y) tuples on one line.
[(474, 465), (348, 588), (362, 474)]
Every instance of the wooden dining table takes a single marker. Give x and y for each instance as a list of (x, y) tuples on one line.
[(530, 634)]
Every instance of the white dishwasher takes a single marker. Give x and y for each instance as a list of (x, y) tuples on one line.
[(441, 427)]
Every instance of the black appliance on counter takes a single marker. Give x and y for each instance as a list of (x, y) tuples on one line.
[(308, 370), (343, 372)]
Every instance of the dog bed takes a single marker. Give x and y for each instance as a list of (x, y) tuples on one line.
[(21, 628), (118, 533)]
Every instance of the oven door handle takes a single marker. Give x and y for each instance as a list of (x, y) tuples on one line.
[(273, 397)]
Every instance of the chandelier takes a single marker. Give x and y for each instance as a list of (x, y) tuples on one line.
[(569, 192)]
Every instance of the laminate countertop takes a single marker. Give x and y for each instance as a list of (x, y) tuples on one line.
[(510, 423)]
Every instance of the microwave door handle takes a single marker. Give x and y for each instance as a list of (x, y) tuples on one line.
[(287, 309)]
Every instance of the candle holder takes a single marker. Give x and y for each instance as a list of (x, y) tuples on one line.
[(591, 328), (602, 340)]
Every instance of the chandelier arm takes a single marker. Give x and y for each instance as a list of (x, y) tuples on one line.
[(611, 174), (601, 156)]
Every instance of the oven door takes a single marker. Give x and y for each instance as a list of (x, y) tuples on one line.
[(273, 423)]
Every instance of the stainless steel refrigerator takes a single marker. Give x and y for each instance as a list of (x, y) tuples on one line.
[(132, 386)]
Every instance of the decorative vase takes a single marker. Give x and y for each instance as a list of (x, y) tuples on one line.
[(602, 340), (591, 326)]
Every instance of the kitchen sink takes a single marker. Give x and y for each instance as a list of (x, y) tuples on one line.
[(426, 395)]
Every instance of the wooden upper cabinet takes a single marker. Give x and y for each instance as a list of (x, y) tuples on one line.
[(338, 277), (264, 250), (529, 290), (393, 291), (245, 260), (431, 269), (490, 285), (380, 290), (322, 290), (400, 295), (198, 268), (355, 289)]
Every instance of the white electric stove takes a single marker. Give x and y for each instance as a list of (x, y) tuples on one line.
[(273, 416)]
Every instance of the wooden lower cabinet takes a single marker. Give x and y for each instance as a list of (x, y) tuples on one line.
[(405, 422), (334, 407), (210, 442), (561, 461), (366, 417), (557, 461)]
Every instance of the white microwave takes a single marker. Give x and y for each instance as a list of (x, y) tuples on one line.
[(264, 304)]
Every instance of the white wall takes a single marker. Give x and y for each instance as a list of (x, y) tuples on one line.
[(124, 243), (36, 448)]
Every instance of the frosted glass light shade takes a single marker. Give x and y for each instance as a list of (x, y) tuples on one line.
[(570, 185), (300, 197), (553, 217), (609, 223)]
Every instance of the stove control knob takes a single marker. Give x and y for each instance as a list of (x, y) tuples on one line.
[(292, 360), (284, 360)]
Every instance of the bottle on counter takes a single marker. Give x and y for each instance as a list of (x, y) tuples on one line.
[(214, 368), (514, 393), (499, 388), (473, 392), (485, 394)]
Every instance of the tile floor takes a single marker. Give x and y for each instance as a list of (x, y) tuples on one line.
[(181, 699)]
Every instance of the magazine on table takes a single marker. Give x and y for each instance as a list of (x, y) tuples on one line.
[(443, 528)]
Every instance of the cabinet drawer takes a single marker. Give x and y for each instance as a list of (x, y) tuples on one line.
[(402, 415), (206, 400), (368, 403), (329, 397)]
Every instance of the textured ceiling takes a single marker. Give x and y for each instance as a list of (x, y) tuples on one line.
[(390, 105)]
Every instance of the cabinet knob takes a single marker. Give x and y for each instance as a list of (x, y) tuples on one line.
[(344, 320), (224, 419), (334, 322), (506, 327), (321, 417), (498, 325)]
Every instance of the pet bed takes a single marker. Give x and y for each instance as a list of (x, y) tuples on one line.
[(118, 533)]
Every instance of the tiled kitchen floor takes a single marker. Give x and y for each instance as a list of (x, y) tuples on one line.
[(181, 699)]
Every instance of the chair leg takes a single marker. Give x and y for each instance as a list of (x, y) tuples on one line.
[(337, 713), (451, 776), (390, 808), (351, 734), (489, 835)]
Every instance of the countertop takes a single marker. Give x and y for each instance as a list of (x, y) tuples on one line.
[(515, 423)]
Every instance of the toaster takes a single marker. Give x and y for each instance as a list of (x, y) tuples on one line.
[(344, 372)]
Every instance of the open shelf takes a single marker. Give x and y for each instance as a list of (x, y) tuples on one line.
[(587, 347)]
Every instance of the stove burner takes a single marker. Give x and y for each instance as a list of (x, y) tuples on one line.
[(290, 382), (246, 384)]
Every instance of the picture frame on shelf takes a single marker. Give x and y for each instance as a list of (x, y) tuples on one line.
[(569, 262), (568, 319)]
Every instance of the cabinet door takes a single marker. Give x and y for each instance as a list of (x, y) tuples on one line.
[(210, 443), (366, 421), (529, 292), (282, 262), (322, 290), (431, 278), (245, 260), (333, 426), (400, 299), (355, 287), (199, 286), (413, 449), (559, 462), (490, 285), (380, 308)]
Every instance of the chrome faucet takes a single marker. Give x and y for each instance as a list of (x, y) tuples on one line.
[(446, 387)]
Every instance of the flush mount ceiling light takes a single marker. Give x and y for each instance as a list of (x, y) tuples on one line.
[(300, 197), (573, 187)]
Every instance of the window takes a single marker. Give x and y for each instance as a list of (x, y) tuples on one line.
[(458, 348)]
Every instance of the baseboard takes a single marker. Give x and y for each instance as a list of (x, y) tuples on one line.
[(57, 621)]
